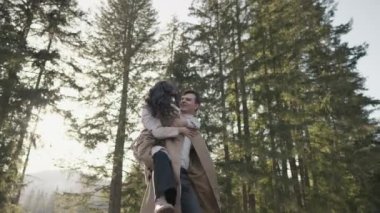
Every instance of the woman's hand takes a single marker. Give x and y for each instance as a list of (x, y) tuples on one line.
[(187, 131)]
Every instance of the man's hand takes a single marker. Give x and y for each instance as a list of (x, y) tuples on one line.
[(187, 131)]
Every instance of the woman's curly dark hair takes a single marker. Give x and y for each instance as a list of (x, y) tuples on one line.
[(160, 97)]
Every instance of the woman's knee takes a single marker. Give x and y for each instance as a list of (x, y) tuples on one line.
[(160, 155)]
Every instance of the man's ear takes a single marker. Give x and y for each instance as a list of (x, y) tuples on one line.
[(196, 107)]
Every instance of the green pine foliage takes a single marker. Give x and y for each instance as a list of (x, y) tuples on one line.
[(32, 71), (283, 111)]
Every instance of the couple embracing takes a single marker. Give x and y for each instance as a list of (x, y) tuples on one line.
[(180, 174)]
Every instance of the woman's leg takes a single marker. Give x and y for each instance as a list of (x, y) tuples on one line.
[(163, 177)]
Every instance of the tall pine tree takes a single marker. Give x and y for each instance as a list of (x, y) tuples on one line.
[(122, 48)]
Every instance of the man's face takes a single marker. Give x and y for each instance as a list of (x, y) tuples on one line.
[(188, 104)]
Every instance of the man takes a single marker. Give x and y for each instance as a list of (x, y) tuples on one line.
[(186, 158)]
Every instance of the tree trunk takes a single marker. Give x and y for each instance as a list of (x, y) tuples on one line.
[(25, 124), (117, 170), (245, 197), (7, 93), (251, 199), (284, 178), (304, 179), (242, 89), (223, 100), (296, 182), (241, 77), (17, 199)]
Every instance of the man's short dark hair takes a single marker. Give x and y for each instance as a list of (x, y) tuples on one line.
[(196, 94)]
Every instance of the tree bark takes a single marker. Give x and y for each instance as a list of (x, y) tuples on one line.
[(117, 170), (118, 156)]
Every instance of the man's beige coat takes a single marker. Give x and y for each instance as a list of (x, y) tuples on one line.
[(201, 172)]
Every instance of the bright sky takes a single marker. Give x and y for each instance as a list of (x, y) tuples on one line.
[(366, 28)]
